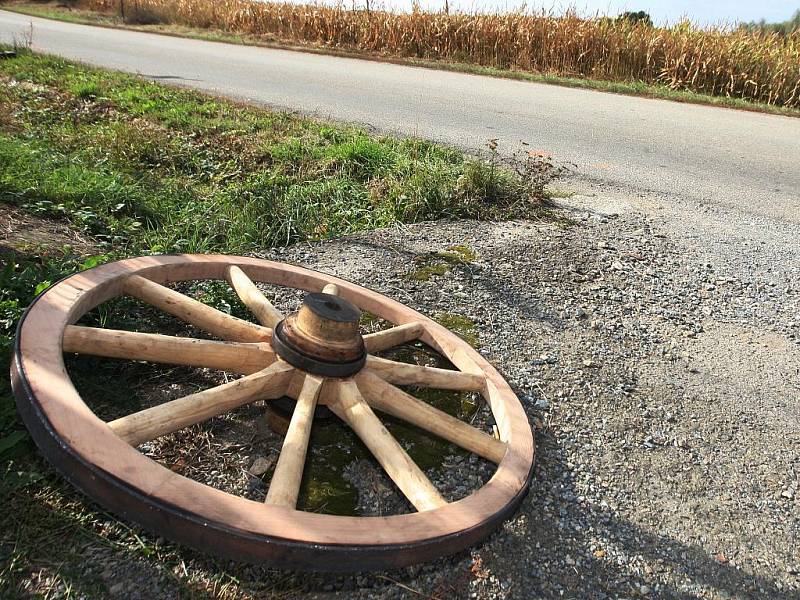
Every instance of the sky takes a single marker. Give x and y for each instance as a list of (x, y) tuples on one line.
[(703, 12)]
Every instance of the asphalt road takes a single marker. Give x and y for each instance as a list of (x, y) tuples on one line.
[(747, 161)]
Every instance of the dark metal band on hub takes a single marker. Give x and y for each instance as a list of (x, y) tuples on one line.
[(310, 364)]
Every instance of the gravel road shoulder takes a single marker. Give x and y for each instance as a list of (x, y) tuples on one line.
[(662, 376)]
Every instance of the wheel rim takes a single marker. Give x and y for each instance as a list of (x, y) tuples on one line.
[(95, 457)]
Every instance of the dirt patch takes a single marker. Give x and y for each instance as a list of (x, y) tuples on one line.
[(28, 235)]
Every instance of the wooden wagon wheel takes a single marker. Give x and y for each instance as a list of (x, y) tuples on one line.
[(297, 356)]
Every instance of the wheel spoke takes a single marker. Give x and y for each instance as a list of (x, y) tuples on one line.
[(171, 416), (415, 485), (387, 398), (332, 289), (285, 484), (389, 338), (244, 358), (195, 312), (254, 298), (406, 374)]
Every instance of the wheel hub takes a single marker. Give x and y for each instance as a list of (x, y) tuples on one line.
[(322, 337)]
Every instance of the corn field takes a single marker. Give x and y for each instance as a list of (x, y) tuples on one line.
[(752, 65)]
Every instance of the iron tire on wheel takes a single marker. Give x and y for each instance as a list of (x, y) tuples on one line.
[(95, 458)]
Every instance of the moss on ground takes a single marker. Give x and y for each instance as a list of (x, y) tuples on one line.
[(440, 263), (462, 326)]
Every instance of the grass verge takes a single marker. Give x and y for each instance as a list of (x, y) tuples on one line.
[(59, 12), (97, 165)]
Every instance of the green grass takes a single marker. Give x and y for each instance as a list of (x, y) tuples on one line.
[(55, 12), (164, 170), (131, 167)]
